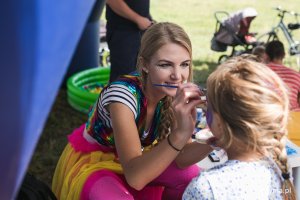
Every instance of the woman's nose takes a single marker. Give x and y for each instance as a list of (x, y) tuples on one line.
[(176, 74)]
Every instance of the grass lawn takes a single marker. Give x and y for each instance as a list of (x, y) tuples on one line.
[(197, 19)]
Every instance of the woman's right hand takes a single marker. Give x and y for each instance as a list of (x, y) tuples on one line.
[(184, 106)]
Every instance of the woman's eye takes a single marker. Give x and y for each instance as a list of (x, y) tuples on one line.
[(185, 65), (164, 65)]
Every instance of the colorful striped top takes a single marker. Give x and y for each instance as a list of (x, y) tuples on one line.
[(291, 79), (127, 90)]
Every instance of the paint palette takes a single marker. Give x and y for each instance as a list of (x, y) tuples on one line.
[(202, 136), (200, 120)]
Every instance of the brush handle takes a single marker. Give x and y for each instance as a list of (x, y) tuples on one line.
[(165, 85), (174, 86)]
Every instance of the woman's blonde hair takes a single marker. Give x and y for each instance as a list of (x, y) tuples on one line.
[(253, 104), (153, 39)]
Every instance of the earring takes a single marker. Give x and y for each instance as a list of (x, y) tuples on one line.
[(145, 70)]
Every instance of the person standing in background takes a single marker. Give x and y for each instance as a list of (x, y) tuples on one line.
[(126, 21)]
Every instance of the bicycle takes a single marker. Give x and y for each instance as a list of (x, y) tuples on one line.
[(294, 46)]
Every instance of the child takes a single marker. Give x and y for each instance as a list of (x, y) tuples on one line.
[(260, 52), (137, 139), (247, 113)]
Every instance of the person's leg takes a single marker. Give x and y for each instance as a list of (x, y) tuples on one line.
[(123, 46), (105, 184), (175, 180)]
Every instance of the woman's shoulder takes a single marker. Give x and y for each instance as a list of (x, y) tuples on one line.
[(131, 82)]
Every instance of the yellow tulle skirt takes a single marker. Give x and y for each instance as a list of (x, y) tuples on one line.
[(73, 169)]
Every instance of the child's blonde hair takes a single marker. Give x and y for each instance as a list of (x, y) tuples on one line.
[(153, 39), (253, 104)]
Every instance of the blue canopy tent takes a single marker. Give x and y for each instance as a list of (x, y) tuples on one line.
[(38, 40)]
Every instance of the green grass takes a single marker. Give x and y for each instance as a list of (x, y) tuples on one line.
[(196, 17)]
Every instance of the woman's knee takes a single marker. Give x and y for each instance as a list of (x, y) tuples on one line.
[(109, 188), (105, 184)]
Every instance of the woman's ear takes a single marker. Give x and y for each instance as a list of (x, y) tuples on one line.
[(144, 64), (145, 70)]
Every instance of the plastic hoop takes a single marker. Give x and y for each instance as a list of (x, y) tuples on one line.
[(80, 98)]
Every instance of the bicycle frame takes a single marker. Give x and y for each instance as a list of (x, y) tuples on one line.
[(294, 46)]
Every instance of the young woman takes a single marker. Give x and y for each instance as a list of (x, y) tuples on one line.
[(138, 136), (248, 108)]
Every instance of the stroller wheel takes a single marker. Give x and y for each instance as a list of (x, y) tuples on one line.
[(222, 58)]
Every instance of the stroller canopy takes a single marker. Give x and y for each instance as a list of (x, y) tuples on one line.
[(237, 24), (236, 19)]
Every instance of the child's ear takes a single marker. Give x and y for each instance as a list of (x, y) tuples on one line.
[(219, 121)]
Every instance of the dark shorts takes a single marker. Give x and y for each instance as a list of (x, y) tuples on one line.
[(124, 46)]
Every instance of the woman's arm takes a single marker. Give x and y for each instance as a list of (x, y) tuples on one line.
[(139, 168), (198, 152)]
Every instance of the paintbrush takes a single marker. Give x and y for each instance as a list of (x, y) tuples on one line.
[(175, 86)]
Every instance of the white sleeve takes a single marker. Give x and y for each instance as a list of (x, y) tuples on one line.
[(119, 93), (199, 188)]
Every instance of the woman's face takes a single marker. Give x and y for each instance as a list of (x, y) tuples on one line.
[(170, 65)]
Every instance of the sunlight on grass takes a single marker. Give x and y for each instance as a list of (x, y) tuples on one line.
[(197, 18)]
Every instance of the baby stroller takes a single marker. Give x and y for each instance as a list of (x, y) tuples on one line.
[(233, 30)]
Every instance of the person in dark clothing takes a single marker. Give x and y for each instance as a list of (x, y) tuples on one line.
[(126, 21)]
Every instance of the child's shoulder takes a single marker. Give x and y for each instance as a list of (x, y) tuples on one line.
[(237, 178), (235, 168)]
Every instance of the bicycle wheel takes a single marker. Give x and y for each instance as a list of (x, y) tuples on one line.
[(267, 37), (222, 59)]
